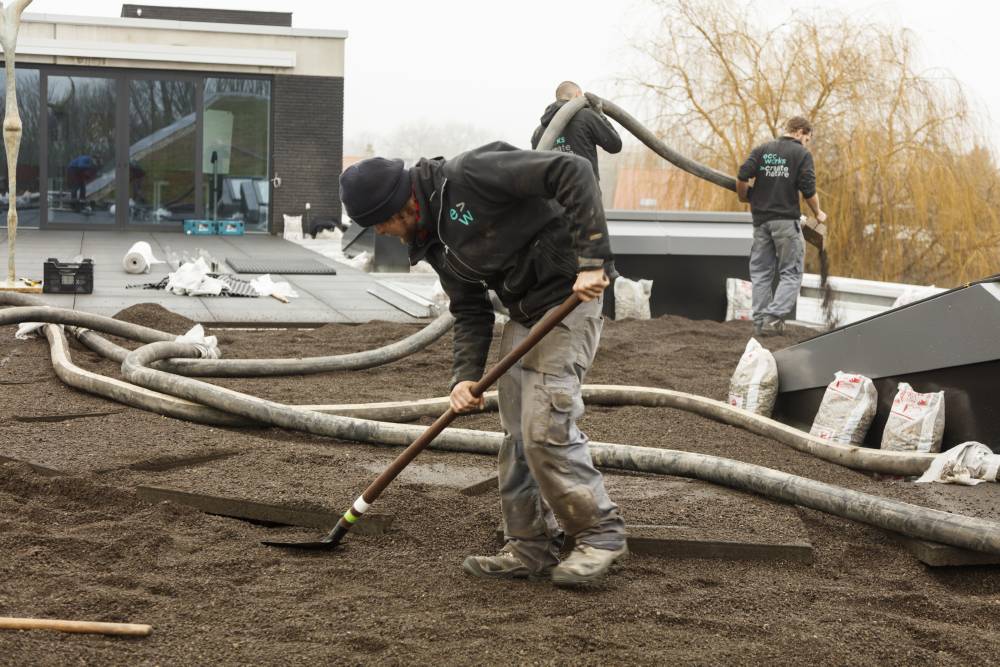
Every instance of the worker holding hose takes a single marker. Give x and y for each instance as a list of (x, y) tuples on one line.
[(587, 130), (780, 170), (530, 226)]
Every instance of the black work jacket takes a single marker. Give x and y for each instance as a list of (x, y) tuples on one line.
[(583, 133), (521, 223), (781, 169)]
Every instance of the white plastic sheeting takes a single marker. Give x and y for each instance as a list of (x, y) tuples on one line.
[(267, 286), (192, 279), (207, 345), (968, 464)]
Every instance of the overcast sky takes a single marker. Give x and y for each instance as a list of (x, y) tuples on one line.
[(496, 65)]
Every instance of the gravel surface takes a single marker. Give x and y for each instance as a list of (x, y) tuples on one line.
[(84, 546)]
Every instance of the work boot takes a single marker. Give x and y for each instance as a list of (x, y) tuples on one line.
[(505, 565), (758, 328), (773, 326), (586, 564)]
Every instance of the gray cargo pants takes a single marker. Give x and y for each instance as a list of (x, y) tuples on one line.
[(777, 249), (544, 465)]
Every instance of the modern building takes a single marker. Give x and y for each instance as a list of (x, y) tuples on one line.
[(165, 114)]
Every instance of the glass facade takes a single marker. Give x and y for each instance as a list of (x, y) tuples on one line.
[(115, 148), (82, 177), (235, 150), (162, 121), (28, 173)]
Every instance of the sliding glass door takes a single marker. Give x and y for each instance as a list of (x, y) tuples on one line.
[(81, 150), (162, 149)]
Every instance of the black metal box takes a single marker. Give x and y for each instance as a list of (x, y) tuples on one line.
[(68, 277)]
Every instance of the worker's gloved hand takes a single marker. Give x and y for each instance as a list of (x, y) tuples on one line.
[(590, 284), (462, 399), (595, 102)]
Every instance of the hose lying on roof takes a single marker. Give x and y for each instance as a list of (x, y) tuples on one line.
[(311, 365), (849, 456), (228, 367), (919, 522), (912, 520), (79, 318), (860, 458), (129, 394), (19, 299), (256, 367), (282, 367)]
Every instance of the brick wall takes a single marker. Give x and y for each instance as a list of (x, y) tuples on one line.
[(307, 131)]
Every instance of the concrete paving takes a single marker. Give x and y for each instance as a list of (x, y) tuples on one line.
[(336, 298)]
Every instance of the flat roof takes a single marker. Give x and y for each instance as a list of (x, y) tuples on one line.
[(188, 26)]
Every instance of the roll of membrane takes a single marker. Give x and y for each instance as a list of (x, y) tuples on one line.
[(139, 258)]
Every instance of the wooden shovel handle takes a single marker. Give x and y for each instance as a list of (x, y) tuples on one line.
[(536, 334), (90, 627)]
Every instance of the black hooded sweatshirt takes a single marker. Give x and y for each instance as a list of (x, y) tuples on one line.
[(781, 169), (522, 223), (584, 132)]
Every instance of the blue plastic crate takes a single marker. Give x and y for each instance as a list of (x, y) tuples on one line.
[(199, 227), (230, 227)]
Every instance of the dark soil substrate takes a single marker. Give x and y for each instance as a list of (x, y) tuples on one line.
[(84, 546)]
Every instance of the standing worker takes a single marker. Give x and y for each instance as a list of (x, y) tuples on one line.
[(780, 170), (587, 130), (530, 226), (81, 170)]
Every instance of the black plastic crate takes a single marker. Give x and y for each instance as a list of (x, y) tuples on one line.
[(68, 277)]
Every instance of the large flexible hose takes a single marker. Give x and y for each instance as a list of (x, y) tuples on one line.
[(19, 299), (923, 523), (640, 132), (850, 456), (127, 393), (282, 367), (568, 110), (912, 520), (216, 367), (860, 458), (79, 318), (311, 365)]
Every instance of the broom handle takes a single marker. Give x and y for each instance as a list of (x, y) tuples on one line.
[(91, 627)]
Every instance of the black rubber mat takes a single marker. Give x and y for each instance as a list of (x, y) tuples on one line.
[(286, 266)]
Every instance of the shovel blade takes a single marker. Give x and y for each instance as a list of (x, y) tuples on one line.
[(328, 543), (318, 545)]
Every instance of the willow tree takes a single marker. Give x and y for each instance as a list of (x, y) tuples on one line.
[(10, 23), (902, 169)]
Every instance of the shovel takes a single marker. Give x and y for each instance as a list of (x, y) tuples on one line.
[(814, 232), (375, 489)]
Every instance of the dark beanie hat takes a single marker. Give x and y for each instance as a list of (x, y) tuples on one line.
[(374, 190)]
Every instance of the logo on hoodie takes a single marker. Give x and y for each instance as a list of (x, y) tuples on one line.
[(459, 213), (562, 145)]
